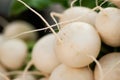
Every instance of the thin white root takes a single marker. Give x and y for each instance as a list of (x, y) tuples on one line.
[(3, 22), (117, 63), (4, 76), (52, 14), (27, 32), (30, 63), (72, 3), (21, 72), (41, 18), (99, 66)]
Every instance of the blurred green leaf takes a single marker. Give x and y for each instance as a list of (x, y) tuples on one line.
[(18, 8)]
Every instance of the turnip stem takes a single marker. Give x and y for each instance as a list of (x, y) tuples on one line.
[(103, 3), (52, 14), (72, 3), (80, 1), (96, 2)]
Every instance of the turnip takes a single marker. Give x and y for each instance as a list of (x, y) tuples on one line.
[(111, 67), (43, 54), (25, 77), (13, 53), (85, 15), (116, 2), (63, 72), (108, 26), (78, 40), (17, 27)]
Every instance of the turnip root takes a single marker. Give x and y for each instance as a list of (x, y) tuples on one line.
[(25, 77), (116, 2), (17, 27), (43, 54), (111, 67), (63, 72), (79, 40), (108, 26), (84, 14), (13, 53)]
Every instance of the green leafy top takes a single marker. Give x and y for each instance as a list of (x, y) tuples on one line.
[(17, 7)]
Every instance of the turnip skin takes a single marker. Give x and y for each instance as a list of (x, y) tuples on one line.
[(79, 40), (108, 26), (13, 53), (86, 15), (43, 54), (16, 27), (63, 72), (107, 62)]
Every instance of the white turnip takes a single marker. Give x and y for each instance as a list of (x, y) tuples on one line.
[(16, 27), (78, 40), (13, 53), (108, 26), (63, 72), (43, 54), (110, 64), (84, 14)]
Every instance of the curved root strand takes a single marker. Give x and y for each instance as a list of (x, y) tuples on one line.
[(103, 3), (27, 67), (99, 66), (52, 14), (80, 2), (41, 17)]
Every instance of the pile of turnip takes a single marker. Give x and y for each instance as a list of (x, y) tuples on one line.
[(67, 54)]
